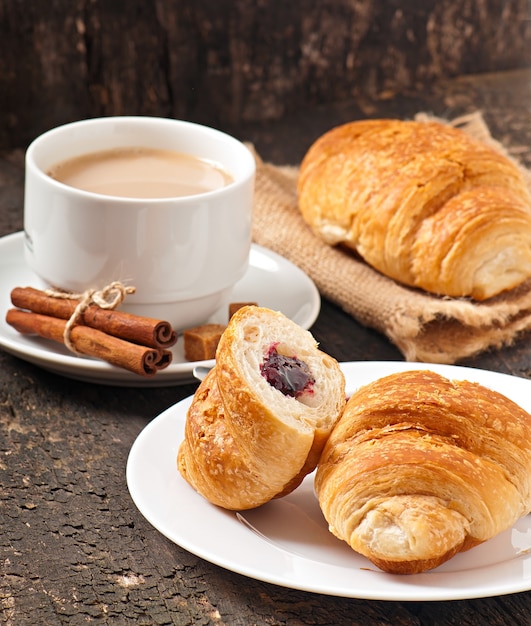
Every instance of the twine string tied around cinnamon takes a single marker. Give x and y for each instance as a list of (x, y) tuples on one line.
[(109, 297)]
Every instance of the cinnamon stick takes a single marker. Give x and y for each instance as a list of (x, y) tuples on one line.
[(142, 360), (145, 331)]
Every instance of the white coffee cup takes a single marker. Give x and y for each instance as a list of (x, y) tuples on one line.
[(182, 254)]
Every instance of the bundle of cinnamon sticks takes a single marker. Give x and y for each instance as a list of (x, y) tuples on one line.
[(138, 344)]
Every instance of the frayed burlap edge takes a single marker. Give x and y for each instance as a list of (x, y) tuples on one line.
[(424, 327)]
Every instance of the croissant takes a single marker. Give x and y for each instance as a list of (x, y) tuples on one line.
[(419, 468), (421, 202), (258, 422)]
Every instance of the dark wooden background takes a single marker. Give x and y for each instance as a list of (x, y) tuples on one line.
[(73, 548), (229, 62)]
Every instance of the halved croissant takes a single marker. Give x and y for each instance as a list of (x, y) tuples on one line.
[(258, 422), (419, 468), (421, 202)]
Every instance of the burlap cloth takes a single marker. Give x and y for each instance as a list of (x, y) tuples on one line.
[(424, 327)]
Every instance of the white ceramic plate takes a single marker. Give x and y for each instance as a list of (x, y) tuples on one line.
[(271, 281), (286, 542)]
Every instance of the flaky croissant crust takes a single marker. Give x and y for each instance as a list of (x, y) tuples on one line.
[(421, 202), (245, 441), (419, 468)]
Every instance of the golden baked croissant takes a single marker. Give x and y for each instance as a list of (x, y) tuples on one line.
[(419, 468), (421, 202), (258, 422)]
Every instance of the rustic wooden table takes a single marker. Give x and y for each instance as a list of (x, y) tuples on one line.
[(73, 547)]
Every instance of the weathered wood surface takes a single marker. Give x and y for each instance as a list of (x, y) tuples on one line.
[(231, 61), (73, 547)]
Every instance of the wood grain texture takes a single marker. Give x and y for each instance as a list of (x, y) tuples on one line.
[(73, 547), (232, 61)]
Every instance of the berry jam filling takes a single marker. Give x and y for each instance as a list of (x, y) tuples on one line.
[(288, 374)]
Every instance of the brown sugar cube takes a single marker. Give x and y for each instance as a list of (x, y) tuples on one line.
[(200, 343), (234, 306)]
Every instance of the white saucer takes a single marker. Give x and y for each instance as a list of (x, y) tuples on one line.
[(271, 281), (287, 542)]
